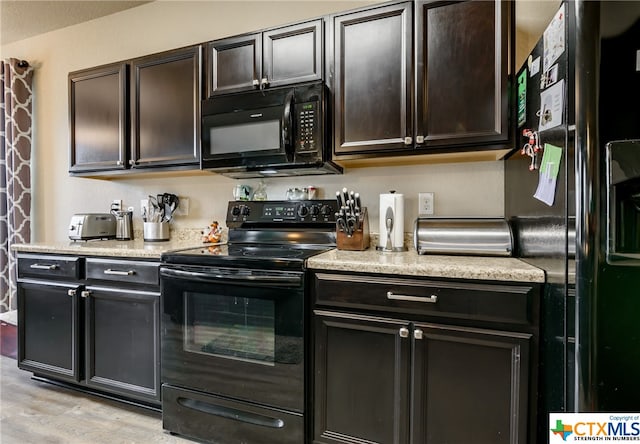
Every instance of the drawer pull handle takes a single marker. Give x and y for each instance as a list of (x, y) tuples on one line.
[(44, 267), (85, 293), (404, 332), (71, 292), (418, 334), (403, 297), (119, 273)]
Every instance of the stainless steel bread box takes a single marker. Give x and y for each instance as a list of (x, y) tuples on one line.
[(463, 236)]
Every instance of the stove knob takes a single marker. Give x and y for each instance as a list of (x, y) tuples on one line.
[(245, 210), (303, 211), (326, 210), (315, 210), (235, 211)]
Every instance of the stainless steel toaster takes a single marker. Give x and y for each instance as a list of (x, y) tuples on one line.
[(475, 237), (92, 226)]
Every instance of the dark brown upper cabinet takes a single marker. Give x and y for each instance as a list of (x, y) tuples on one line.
[(165, 109), (281, 56), (438, 86), (462, 67), (372, 64), (98, 118)]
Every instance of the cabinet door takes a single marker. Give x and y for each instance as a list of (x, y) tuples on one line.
[(166, 108), (293, 54), (234, 64), (48, 329), (98, 118), (469, 385), (361, 374), (462, 56), (372, 80), (122, 342)]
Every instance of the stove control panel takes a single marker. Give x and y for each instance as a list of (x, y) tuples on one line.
[(308, 212)]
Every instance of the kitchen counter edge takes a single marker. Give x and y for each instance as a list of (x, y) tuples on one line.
[(109, 248), (410, 263)]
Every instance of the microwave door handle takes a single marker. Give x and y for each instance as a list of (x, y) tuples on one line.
[(287, 124)]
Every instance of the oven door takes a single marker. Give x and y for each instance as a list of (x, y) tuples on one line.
[(248, 130), (234, 332)]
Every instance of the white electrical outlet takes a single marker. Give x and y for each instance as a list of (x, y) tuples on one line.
[(183, 207), (425, 203), (116, 204)]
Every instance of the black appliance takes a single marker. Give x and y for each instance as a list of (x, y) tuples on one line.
[(587, 239), (275, 132), (234, 322)]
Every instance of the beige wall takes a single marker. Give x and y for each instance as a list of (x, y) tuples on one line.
[(462, 189)]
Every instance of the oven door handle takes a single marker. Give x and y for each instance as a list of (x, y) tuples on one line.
[(199, 276)]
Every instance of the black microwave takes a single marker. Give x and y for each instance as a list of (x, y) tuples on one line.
[(274, 132)]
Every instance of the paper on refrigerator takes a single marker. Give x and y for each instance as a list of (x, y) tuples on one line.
[(548, 178)]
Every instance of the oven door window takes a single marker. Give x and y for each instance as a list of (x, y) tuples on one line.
[(231, 327)]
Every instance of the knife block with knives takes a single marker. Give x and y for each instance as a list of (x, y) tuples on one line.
[(352, 222), (358, 238)]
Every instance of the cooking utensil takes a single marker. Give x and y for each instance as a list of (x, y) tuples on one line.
[(170, 202)]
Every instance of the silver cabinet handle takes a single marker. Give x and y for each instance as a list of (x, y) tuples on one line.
[(418, 334), (119, 163), (72, 292), (419, 139), (408, 140), (256, 83), (119, 273), (404, 332), (85, 293), (403, 297), (44, 267), (264, 82)]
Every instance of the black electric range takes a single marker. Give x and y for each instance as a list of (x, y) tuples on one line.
[(234, 325)]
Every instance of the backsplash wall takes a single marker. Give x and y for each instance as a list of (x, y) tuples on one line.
[(461, 189)]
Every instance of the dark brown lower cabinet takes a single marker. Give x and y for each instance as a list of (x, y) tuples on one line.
[(49, 329), (122, 350), (380, 380), (100, 333)]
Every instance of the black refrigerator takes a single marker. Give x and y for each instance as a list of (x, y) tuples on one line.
[(572, 197)]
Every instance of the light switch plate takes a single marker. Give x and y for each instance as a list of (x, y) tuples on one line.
[(183, 207), (426, 203)]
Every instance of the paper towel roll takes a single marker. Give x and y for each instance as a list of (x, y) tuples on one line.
[(392, 204)]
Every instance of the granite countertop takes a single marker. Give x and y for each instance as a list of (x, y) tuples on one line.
[(410, 263), (137, 248)]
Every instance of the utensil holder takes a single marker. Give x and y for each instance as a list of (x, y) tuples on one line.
[(156, 231), (359, 239)]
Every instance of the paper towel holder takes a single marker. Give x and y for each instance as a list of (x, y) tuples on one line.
[(390, 219)]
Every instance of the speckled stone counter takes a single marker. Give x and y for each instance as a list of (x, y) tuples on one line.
[(137, 248), (410, 263)]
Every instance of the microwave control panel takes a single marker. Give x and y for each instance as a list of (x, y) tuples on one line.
[(309, 128)]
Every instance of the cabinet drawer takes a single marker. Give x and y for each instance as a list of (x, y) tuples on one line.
[(49, 266), (123, 271), (511, 304)]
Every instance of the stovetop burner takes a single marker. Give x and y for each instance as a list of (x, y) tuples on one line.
[(269, 252)]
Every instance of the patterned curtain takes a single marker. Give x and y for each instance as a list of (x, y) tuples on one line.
[(15, 171)]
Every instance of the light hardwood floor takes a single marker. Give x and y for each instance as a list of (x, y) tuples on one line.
[(42, 413)]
